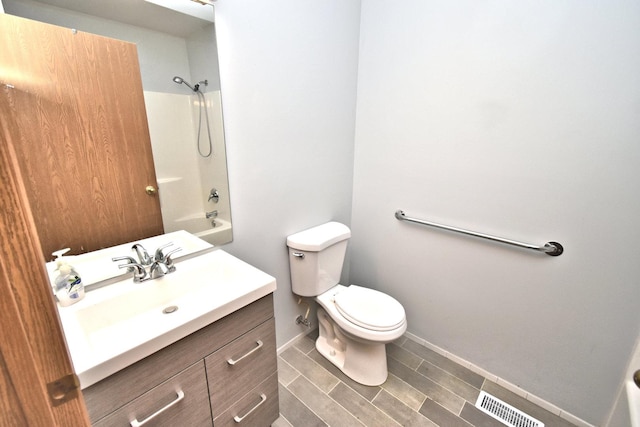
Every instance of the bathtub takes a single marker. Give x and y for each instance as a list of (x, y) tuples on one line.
[(200, 226)]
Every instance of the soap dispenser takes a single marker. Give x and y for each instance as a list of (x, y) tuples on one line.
[(68, 286)]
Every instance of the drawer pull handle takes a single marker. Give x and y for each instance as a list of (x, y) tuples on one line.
[(136, 423), (233, 362), (263, 399)]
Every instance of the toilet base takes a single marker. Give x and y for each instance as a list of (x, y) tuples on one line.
[(363, 362)]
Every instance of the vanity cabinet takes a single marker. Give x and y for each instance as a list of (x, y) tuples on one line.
[(223, 374)]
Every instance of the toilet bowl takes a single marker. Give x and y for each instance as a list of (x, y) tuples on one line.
[(354, 322)]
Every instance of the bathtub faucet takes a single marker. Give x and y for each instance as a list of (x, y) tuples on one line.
[(211, 214)]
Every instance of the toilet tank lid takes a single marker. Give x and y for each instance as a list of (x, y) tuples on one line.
[(320, 237)]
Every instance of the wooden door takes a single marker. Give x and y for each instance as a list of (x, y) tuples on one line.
[(33, 354), (81, 135)]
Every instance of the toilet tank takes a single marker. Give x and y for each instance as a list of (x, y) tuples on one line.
[(316, 257)]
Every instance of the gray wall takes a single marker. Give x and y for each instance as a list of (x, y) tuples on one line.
[(288, 73), (518, 119)]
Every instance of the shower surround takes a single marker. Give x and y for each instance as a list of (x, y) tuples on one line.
[(185, 178)]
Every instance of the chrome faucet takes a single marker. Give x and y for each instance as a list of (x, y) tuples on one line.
[(211, 214), (149, 267), (142, 253), (213, 195)]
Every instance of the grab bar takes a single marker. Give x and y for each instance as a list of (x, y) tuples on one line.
[(549, 248)]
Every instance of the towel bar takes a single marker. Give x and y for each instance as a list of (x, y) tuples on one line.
[(549, 248)]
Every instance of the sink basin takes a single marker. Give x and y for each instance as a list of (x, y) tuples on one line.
[(119, 324)]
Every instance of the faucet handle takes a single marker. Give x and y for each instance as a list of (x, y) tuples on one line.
[(129, 260), (168, 261), (213, 195), (171, 252), (139, 273), (159, 256)]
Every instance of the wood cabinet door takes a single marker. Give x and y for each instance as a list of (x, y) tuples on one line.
[(81, 135), (33, 354)]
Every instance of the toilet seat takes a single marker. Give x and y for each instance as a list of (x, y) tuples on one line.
[(369, 308)]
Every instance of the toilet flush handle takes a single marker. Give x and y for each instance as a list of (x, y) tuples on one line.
[(298, 255)]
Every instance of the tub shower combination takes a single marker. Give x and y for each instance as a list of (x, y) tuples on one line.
[(192, 182)]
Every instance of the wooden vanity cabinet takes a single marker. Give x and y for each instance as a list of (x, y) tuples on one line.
[(227, 372)]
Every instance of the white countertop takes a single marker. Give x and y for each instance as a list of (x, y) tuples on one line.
[(117, 325)]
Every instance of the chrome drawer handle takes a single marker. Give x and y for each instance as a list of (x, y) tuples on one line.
[(233, 362), (136, 423), (263, 399)]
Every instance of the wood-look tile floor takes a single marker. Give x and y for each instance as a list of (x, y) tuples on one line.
[(423, 389)]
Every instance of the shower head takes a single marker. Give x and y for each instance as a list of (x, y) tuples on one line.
[(180, 81)]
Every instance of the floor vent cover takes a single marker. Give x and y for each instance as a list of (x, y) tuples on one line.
[(504, 412)]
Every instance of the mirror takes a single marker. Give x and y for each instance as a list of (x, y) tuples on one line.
[(179, 68)]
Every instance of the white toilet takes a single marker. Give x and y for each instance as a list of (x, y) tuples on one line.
[(355, 323)]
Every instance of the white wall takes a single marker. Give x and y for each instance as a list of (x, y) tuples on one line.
[(203, 58), (519, 119), (288, 75)]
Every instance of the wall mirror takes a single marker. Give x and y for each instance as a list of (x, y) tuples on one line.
[(179, 70)]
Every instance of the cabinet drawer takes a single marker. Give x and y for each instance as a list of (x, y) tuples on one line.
[(241, 365), (192, 409), (259, 407), (102, 398)]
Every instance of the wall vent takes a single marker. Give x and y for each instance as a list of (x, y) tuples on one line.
[(505, 413)]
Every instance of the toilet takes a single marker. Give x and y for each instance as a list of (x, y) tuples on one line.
[(354, 322)]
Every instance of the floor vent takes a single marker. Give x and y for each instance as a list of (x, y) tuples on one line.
[(504, 412)]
